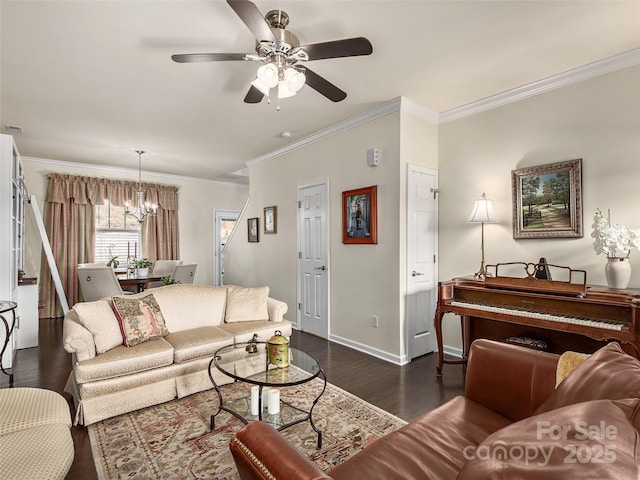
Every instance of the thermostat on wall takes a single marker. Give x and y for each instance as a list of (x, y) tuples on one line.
[(373, 157)]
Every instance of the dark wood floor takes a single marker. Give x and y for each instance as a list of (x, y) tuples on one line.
[(406, 391)]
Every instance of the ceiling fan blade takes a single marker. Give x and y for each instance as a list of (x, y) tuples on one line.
[(253, 95), (323, 86), (253, 19), (349, 47), (206, 57)]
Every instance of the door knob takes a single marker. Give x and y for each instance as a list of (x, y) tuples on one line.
[(321, 268), (416, 274)]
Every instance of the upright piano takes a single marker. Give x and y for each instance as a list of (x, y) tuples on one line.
[(561, 315)]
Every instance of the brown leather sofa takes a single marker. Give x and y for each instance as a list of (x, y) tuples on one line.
[(512, 423)]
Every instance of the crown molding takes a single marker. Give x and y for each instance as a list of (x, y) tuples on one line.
[(595, 69), (109, 171), (379, 111), (419, 111)]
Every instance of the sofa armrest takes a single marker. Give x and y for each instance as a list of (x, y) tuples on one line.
[(76, 338), (261, 453), (510, 380), (277, 309)]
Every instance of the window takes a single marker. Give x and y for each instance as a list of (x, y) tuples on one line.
[(117, 234)]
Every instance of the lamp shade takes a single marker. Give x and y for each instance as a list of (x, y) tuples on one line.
[(295, 80), (482, 211), (268, 75)]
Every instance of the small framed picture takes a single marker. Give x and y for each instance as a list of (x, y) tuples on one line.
[(360, 215), (547, 200), (270, 219), (252, 229)]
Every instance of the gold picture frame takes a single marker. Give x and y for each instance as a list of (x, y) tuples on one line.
[(547, 200)]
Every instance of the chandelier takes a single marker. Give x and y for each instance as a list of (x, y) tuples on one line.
[(143, 208)]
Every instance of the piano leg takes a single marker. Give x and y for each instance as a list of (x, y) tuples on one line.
[(438, 324), (466, 341)]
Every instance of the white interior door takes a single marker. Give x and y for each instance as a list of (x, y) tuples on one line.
[(313, 273), (421, 259), (224, 221)]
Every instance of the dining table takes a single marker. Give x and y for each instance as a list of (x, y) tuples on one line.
[(141, 283)]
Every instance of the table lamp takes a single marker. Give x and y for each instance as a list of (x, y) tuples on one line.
[(482, 213)]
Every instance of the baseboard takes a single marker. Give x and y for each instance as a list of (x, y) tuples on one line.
[(453, 351), (398, 360)]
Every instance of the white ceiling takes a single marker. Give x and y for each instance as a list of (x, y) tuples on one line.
[(91, 81)]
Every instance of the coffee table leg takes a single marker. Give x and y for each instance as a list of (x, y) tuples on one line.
[(324, 387), (212, 422)]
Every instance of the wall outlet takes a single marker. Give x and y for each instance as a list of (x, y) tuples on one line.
[(374, 321)]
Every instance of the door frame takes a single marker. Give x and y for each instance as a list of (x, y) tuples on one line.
[(429, 171), (217, 248), (327, 239)]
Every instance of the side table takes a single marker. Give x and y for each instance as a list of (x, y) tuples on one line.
[(6, 307)]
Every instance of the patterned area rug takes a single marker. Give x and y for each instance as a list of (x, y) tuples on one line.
[(173, 440)]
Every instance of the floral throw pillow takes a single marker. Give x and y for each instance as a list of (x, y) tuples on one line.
[(140, 319)]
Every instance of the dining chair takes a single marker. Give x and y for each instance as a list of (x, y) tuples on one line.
[(97, 282), (163, 268), (185, 273)]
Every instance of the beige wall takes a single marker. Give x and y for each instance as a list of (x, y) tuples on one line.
[(196, 200), (365, 280), (597, 120)]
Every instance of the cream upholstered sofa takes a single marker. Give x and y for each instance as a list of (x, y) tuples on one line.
[(110, 378), (35, 436)]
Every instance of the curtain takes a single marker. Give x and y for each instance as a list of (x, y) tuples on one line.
[(70, 225)]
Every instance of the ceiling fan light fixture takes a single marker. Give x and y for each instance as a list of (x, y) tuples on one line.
[(268, 75), (284, 91), (295, 79)]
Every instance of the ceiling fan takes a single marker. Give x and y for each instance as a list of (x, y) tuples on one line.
[(280, 52)]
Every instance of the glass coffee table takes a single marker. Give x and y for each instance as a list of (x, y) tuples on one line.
[(249, 363)]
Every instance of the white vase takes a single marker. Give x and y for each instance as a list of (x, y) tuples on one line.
[(617, 271)]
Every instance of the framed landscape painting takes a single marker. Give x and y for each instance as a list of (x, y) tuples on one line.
[(360, 216), (547, 200)]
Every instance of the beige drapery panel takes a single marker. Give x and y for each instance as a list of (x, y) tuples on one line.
[(70, 224)]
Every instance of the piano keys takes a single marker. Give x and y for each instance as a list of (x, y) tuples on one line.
[(570, 318)]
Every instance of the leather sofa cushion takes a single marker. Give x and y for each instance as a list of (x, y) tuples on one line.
[(197, 343), (125, 360), (243, 331), (429, 447), (596, 439), (607, 374)]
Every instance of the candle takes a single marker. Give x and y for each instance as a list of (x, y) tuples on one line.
[(265, 397), (135, 250), (274, 401), (255, 393)]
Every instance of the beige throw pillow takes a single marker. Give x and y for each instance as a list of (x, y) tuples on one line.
[(99, 319), (246, 304)]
